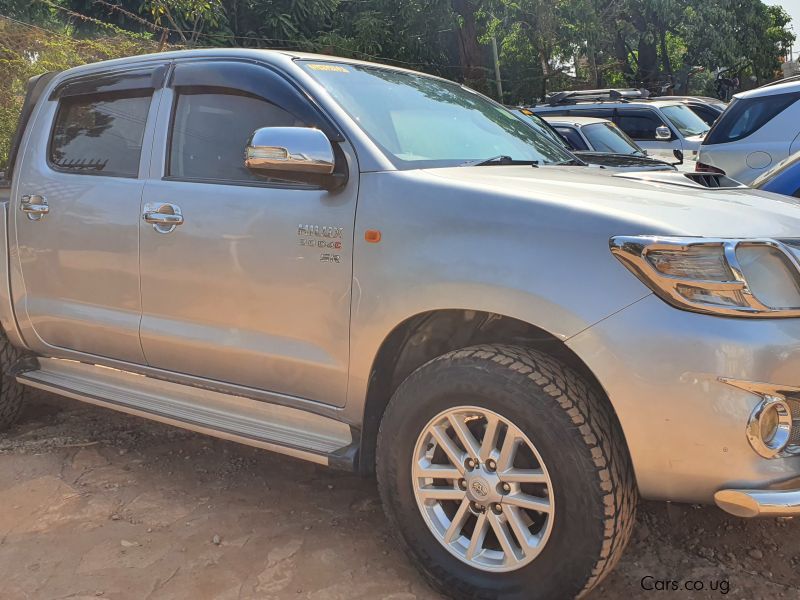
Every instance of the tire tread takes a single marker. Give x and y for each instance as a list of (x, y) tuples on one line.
[(593, 417)]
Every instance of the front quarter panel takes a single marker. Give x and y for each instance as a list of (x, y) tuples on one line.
[(445, 246)]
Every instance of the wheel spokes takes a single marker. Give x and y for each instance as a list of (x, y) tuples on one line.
[(440, 493), (478, 535), (450, 448), (521, 531), (509, 451), (504, 538), (524, 476), (483, 488), (529, 502), (431, 471), (465, 436), (490, 435), (457, 524)]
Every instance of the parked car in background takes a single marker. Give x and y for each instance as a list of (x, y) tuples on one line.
[(707, 108), (658, 126), (610, 149), (783, 178), (601, 140), (759, 128)]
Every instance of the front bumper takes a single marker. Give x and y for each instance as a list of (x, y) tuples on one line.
[(780, 500), (664, 371)]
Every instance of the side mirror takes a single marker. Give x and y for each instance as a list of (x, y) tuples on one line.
[(294, 153), (679, 155), (663, 133)]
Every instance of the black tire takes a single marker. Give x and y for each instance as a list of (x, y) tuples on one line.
[(580, 442), (11, 393)]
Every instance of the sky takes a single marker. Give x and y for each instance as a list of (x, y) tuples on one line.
[(793, 8)]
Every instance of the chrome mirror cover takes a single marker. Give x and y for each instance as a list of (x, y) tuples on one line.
[(663, 133), (289, 150)]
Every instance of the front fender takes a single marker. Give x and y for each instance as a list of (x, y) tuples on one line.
[(444, 247)]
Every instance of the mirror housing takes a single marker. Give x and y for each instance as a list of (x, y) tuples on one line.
[(663, 133), (293, 153), (679, 155)]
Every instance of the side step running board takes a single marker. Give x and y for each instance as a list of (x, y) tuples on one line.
[(278, 428)]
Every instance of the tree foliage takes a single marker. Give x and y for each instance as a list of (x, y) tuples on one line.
[(543, 45)]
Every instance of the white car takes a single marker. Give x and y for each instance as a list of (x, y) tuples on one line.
[(658, 126), (759, 128), (594, 140)]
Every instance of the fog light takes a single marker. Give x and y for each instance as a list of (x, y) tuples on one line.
[(769, 427)]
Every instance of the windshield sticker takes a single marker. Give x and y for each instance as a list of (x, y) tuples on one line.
[(328, 68)]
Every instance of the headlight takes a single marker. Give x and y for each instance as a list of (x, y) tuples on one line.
[(734, 277)]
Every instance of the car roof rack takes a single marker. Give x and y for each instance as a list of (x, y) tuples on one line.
[(602, 95)]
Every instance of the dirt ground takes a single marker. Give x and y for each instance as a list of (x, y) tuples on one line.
[(99, 504)]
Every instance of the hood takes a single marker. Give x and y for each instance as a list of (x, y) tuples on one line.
[(662, 203), (622, 161)]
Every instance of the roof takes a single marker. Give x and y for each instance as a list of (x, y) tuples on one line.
[(660, 102), (703, 99), (771, 89), (276, 57), (573, 120)]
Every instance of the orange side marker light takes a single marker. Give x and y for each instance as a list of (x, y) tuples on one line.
[(373, 236)]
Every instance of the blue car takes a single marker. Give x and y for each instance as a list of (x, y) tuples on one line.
[(783, 178)]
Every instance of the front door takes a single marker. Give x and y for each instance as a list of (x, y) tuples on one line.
[(248, 282), (76, 216), (640, 124)]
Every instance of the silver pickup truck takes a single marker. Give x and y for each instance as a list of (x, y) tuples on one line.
[(383, 271)]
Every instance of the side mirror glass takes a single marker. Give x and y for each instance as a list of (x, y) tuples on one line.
[(679, 155), (281, 151), (663, 133)]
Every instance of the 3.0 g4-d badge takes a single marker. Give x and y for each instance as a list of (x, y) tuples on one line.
[(322, 237)]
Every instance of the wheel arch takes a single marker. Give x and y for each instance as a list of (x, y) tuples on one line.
[(426, 335)]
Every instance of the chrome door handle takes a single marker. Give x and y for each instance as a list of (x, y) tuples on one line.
[(34, 205), (164, 217)]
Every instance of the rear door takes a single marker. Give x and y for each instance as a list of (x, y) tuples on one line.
[(252, 288), (76, 215)]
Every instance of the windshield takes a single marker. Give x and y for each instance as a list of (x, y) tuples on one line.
[(685, 120), (607, 137), (420, 121)]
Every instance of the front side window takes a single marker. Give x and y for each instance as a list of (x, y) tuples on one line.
[(420, 121), (707, 113), (639, 124), (685, 120), (100, 134), (745, 116), (572, 137), (210, 133), (606, 137)]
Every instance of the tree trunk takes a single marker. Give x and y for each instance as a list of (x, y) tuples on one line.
[(648, 61), (469, 50), (621, 54), (666, 64)]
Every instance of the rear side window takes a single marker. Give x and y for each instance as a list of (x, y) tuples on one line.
[(639, 124), (210, 133), (572, 137), (745, 116), (100, 134)]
